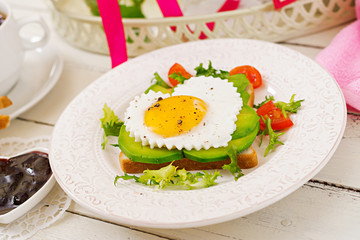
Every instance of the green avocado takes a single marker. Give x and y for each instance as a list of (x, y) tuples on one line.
[(139, 153), (246, 122), (245, 133), (217, 154)]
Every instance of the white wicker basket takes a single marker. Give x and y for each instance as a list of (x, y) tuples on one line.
[(259, 22)]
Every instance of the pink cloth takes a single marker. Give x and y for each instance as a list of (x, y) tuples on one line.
[(342, 59)]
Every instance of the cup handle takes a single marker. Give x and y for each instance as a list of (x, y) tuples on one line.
[(29, 44)]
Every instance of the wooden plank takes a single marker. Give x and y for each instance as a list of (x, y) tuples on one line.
[(25, 129), (315, 211), (343, 167), (72, 226)]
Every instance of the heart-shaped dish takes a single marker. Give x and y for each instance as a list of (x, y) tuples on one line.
[(36, 179)]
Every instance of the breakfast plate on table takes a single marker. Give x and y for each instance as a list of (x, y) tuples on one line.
[(86, 172), (40, 72)]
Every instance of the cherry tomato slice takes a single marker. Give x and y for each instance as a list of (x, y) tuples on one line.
[(177, 68), (278, 120), (252, 74)]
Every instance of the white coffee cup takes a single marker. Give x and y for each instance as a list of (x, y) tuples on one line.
[(13, 47)]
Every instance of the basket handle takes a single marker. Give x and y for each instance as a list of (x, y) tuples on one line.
[(114, 30)]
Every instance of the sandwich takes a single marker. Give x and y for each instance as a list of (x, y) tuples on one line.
[(202, 122), (245, 159), (173, 125)]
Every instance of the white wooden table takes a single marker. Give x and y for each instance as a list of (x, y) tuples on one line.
[(326, 207)]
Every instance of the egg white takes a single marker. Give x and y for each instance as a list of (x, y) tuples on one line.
[(223, 105)]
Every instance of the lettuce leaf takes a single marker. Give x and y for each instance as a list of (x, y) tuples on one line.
[(178, 77), (267, 99), (170, 176), (233, 167), (290, 107), (210, 71), (159, 81), (110, 123), (273, 136)]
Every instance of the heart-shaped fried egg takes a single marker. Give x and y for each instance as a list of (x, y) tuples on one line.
[(200, 113)]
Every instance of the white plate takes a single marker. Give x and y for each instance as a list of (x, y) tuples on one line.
[(86, 172), (41, 70)]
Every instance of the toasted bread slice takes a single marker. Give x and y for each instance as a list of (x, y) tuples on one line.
[(246, 159)]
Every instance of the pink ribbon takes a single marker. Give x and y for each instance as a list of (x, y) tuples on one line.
[(281, 3), (114, 30)]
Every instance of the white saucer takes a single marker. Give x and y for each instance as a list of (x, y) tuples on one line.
[(40, 72)]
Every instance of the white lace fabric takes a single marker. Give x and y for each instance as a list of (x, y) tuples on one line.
[(46, 212)]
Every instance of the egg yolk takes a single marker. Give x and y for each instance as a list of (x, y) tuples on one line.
[(175, 115)]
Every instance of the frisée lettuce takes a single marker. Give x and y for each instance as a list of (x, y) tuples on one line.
[(170, 176)]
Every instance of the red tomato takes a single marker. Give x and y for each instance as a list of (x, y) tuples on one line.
[(177, 68), (278, 120), (251, 73)]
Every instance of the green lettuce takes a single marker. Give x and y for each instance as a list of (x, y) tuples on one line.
[(110, 123), (273, 136), (210, 71), (170, 176), (233, 167)]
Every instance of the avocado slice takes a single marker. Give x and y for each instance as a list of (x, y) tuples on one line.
[(139, 153), (246, 122), (157, 88), (217, 154)]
